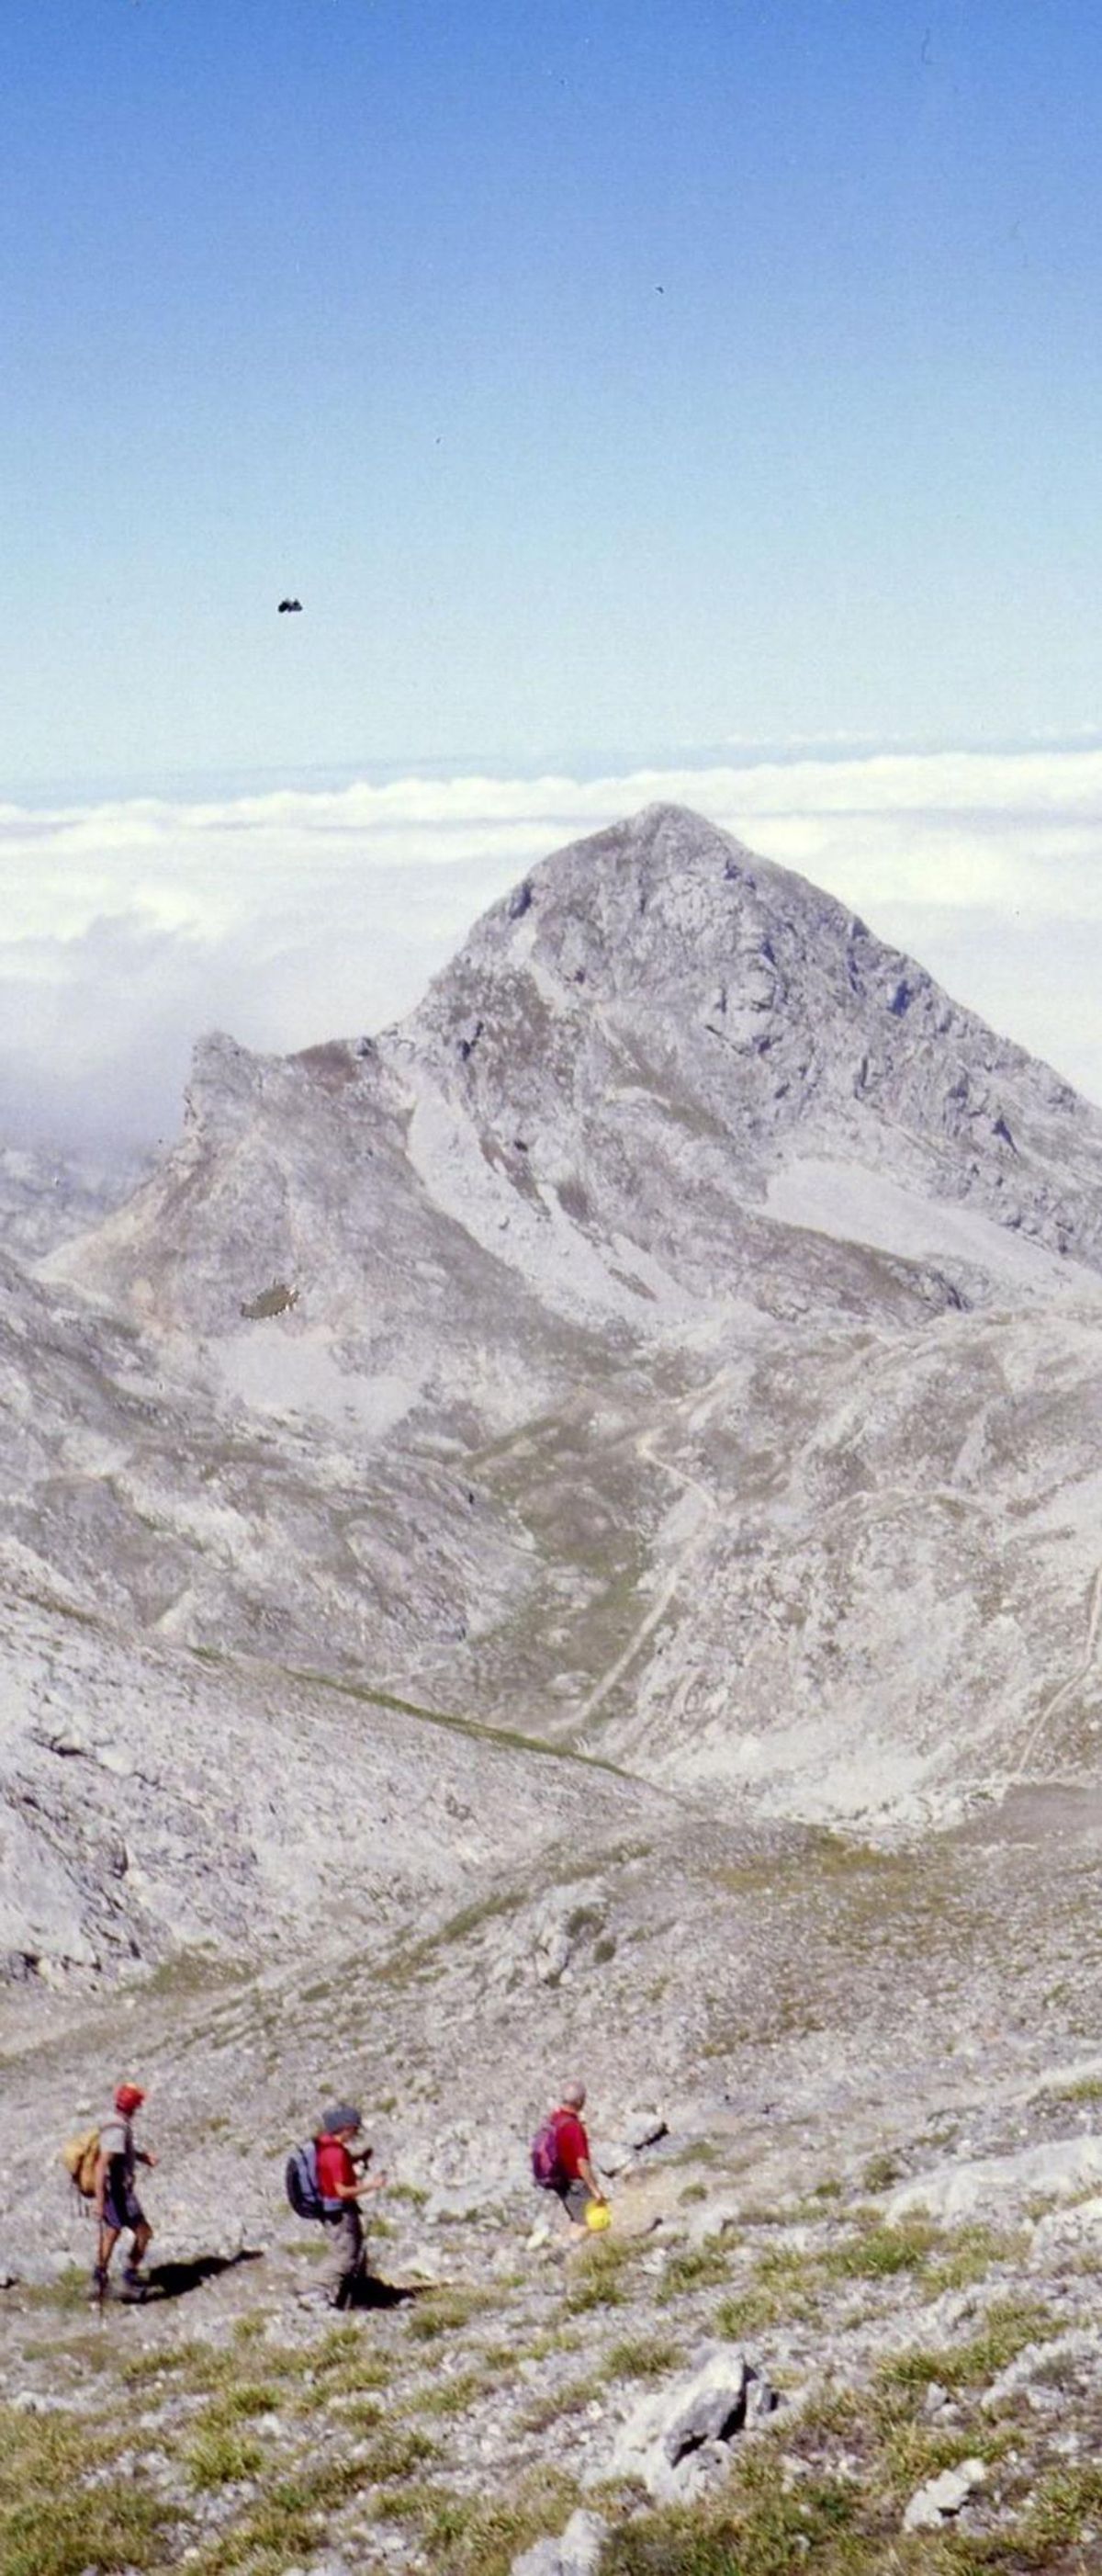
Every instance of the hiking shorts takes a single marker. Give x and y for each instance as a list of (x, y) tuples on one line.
[(121, 2205), (575, 2197)]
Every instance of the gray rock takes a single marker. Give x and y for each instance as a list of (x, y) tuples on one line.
[(576, 2553), (643, 2129), (1083, 2344), (542, 2559), (705, 2405), (962, 2189), (943, 2497)]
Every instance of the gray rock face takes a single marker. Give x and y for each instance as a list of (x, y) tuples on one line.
[(964, 2189), (675, 2442)]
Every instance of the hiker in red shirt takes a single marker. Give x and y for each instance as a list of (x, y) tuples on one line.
[(342, 2190), (575, 2182)]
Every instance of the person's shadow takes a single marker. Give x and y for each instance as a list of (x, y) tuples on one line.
[(370, 2292), (173, 2280)]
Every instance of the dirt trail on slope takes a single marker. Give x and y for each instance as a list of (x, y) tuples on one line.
[(699, 1405), (1074, 1682)]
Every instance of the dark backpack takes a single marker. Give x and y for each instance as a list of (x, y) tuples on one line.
[(546, 2166), (301, 2180)]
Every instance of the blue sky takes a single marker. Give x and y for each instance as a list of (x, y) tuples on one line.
[(640, 398), (606, 380)]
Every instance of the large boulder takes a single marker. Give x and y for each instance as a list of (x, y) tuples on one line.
[(675, 2442)]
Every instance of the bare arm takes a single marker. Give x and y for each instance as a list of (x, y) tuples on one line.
[(349, 2191)]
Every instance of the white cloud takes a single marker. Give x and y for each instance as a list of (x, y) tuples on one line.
[(131, 925)]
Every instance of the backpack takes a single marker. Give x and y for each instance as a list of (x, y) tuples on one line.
[(301, 2183), (546, 2167), (80, 2156)]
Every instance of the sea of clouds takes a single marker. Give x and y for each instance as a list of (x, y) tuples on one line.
[(129, 926)]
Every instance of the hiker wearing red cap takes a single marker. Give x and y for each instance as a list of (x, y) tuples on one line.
[(115, 2200)]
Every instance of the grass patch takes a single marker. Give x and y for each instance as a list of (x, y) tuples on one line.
[(972, 2252), (754, 2310), (1064, 2503), (457, 2396), (221, 2455), (881, 2171), (757, 2527), (1010, 2324), (1088, 2088), (444, 2311), (703, 2267), (559, 2402), (481, 2536), (642, 2357), (394, 2455), (218, 2370), (599, 2281), (881, 2252), (910, 2452), (53, 2522), (235, 2405)]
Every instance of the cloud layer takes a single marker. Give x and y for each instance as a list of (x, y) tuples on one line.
[(128, 927)]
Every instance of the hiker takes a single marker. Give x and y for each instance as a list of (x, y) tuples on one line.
[(114, 2198), (571, 2176), (341, 2192)]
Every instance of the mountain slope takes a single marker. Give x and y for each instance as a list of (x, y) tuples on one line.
[(678, 1338)]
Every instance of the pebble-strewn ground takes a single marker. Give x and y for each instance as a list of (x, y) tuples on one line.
[(880, 2180)]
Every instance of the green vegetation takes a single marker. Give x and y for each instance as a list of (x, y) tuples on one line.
[(558, 2403), (220, 2454), (881, 2171), (757, 2527), (368, 2412), (442, 2311), (53, 2521), (481, 2536), (700, 2268), (642, 2357), (1009, 2325), (457, 2395), (880, 2252), (1088, 2088), (599, 2279)]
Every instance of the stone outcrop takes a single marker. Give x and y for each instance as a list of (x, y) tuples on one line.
[(675, 2443)]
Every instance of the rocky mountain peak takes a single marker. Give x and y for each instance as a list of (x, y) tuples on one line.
[(656, 997)]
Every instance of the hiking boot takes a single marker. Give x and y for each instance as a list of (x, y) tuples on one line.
[(99, 2282)]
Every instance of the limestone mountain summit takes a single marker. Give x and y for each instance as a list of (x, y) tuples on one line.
[(656, 1011), (652, 1022), (675, 1344)]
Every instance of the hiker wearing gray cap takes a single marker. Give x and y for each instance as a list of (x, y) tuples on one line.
[(341, 2190)]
